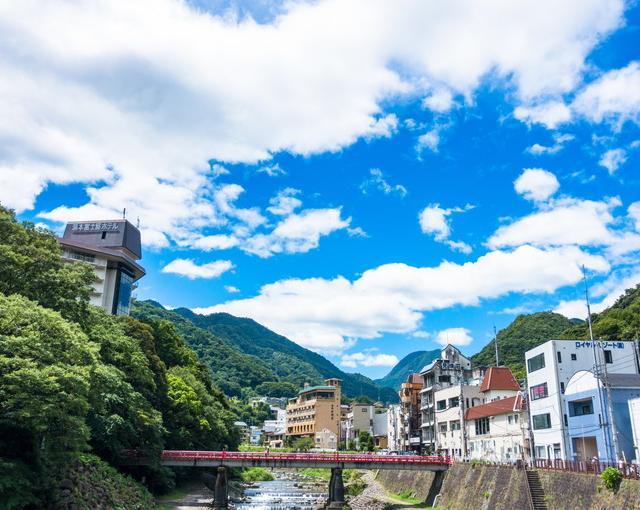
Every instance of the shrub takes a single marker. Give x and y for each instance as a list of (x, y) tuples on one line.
[(256, 474), (611, 478)]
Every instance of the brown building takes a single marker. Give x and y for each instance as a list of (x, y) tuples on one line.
[(410, 412), (314, 411)]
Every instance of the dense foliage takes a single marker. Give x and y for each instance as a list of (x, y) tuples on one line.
[(73, 379), (411, 364), (249, 359), (524, 333)]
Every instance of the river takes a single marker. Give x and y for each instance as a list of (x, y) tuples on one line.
[(288, 491)]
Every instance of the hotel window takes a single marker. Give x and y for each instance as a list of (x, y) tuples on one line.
[(581, 407), (542, 421), (482, 426), (442, 405), (608, 357), (536, 363), (574, 357), (539, 391)]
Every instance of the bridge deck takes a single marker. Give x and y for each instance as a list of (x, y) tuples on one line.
[(303, 460)]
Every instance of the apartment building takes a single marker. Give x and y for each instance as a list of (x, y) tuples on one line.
[(112, 248), (451, 404), (395, 438), (497, 430), (409, 433), (315, 411), (451, 369), (550, 368)]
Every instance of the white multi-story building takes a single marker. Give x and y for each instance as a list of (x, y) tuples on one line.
[(451, 369), (550, 367), (394, 427), (451, 404), (634, 414)]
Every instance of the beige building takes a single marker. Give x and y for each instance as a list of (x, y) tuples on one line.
[(409, 433), (451, 404), (314, 411)]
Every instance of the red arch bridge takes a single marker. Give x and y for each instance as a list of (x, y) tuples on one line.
[(334, 461)]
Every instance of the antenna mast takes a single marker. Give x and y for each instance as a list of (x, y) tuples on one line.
[(495, 341)]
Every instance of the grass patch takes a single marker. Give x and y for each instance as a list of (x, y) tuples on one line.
[(177, 493), (256, 474), (319, 473), (407, 496)]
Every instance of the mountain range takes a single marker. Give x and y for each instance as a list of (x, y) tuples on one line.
[(412, 363), (246, 357)]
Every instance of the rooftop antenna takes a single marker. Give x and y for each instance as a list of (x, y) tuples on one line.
[(138, 223), (495, 341), (124, 213)]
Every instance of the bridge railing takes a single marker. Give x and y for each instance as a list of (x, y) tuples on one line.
[(329, 458)]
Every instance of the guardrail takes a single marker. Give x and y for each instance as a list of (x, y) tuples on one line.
[(631, 471), (329, 458)]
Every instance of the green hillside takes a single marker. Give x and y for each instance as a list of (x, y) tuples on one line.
[(410, 364), (248, 358), (524, 333)]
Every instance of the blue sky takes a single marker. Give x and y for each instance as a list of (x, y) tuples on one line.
[(366, 180)]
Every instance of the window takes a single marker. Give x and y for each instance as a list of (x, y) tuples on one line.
[(454, 425), (581, 407), (441, 405), (444, 378), (541, 421), (574, 357), (124, 286), (515, 418), (454, 402), (443, 427), (364, 409), (482, 426), (539, 391), (510, 419), (566, 420), (559, 357), (608, 357), (536, 363), (541, 452), (562, 387)]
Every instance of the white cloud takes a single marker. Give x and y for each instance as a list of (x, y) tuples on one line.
[(133, 99), (326, 315), (563, 222), (634, 214), (429, 140), (613, 159), (272, 170), (550, 114), (378, 182), (285, 202), (297, 233), (434, 220), (368, 360), (231, 289), (560, 139), (536, 184), (439, 101), (614, 97), (454, 336), (421, 334), (214, 242), (191, 270)]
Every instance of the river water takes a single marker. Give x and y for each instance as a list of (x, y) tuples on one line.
[(289, 491)]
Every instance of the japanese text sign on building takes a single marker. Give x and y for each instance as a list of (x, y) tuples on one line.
[(604, 344)]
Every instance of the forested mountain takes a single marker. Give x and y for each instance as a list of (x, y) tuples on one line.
[(524, 333), (410, 364), (248, 358)]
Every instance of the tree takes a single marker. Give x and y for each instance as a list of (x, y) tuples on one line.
[(30, 265), (365, 441)]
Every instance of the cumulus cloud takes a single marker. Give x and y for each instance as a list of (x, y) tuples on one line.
[(454, 336), (272, 170), (133, 99), (434, 220), (231, 289), (429, 140), (377, 181), (614, 97), (327, 314), (190, 269), (367, 359), (634, 214), (439, 101), (536, 184), (613, 159), (559, 141), (550, 114), (285, 202)]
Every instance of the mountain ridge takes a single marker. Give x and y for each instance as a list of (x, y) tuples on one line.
[(411, 363)]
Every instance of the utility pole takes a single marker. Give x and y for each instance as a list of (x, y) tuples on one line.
[(463, 425), (495, 341), (614, 432)]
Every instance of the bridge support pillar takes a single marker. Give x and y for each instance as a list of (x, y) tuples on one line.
[(221, 490), (336, 490)]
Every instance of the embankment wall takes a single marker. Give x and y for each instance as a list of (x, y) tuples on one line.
[(480, 487)]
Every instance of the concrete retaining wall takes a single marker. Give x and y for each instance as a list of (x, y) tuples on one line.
[(479, 487)]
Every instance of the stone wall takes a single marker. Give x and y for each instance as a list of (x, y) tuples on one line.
[(480, 487), (568, 491)]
